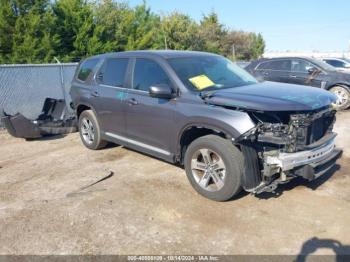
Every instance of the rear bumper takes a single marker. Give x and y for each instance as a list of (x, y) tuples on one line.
[(309, 164)]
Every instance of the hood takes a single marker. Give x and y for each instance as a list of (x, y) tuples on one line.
[(342, 75), (271, 96)]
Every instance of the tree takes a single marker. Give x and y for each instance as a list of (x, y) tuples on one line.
[(143, 32), (112, 24), (180, 32), (74, 25), (247, 45), (35, 31), (257, 46), (213, 32), (25, 31), (7, 27)]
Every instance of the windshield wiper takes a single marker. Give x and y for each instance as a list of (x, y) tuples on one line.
[(206, 94)]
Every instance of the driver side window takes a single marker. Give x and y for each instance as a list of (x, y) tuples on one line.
[(148, 73), (301, 66)]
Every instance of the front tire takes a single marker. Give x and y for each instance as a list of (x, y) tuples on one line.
[(214, 167), (343, 95), (90, 132)]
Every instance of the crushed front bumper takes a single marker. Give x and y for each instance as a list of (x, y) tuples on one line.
[(51, 121), (309, 164)]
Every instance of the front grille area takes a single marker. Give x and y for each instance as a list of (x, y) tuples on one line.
[(319, 128), (307, 129)]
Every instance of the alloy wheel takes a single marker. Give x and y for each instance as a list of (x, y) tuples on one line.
[(342, 97), (87, 130), (208, 169)]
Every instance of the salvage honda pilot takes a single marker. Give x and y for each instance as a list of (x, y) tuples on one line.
[(202, 111)]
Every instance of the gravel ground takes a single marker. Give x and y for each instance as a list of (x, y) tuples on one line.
[(148, 207)]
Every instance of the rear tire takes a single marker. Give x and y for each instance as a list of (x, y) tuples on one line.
[(343, 96), (89, 130), (214, 167)]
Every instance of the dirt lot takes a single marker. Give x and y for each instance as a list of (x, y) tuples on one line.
[(148, 207)]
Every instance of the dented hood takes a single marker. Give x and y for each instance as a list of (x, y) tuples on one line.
[(271, 96)]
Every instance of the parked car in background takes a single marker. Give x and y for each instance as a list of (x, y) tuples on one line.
[(202, 111), (242, 64), (342, 64), (304, 71)]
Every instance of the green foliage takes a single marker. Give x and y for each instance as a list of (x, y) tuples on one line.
[(212, 32), (36, 31), (240, 45), (25, 35), (7, 28), (112, 20), (180, 32), (75, 26), (257, 46), (142, 33)]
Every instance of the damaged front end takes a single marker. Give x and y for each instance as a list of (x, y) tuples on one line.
[(284, 145), (51, 121)]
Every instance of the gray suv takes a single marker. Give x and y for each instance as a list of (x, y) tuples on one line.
[(205, 113)]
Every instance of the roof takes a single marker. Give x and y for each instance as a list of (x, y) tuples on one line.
[(288, 57), (157, 53)]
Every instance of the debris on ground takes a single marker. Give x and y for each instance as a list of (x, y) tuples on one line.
[(51, 121), (80, 190)]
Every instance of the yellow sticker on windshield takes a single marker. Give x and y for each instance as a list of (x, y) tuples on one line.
[(201, 82)]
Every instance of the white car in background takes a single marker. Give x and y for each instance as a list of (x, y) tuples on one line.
[(341, 64)]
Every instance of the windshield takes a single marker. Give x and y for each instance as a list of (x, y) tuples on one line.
[(323, 65), (346, 60), (210, 73)]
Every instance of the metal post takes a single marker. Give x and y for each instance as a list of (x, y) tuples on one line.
[(233, 52), (63, 89)]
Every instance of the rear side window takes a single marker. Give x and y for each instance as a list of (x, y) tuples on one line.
[(113, 71), (148, 73), (86, 69), (281, 65)]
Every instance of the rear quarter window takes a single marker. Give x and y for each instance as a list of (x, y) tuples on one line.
[(86, 69)]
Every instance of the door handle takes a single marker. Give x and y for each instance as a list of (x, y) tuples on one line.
[(95, 94), (133, 102), (265, 73), (293, 76)]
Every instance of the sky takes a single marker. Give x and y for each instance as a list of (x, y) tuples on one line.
[(294, 25)]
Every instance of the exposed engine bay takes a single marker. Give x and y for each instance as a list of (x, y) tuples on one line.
[(284, 145)]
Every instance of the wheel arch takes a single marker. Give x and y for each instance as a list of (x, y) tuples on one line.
[(346, 86), (82, 107), (193, 131)]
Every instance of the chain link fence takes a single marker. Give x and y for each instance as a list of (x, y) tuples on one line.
[(24, 88)]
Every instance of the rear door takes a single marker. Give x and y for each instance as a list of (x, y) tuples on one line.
[(110, 93), (149, 121), (274, 70)]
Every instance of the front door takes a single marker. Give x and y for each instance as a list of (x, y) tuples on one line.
[(149, 121), (301, 74)]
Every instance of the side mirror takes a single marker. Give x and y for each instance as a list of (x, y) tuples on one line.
[(99, 77), (161, 91), (312, 70)]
